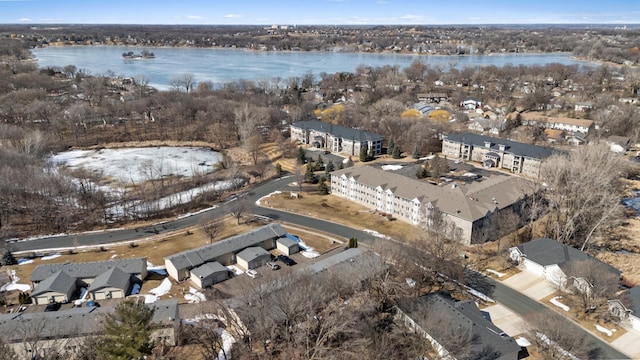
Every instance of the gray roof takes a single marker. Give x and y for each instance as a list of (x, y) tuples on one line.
[(251, 253), (59, 282), (205, 270), (114, 278), (545, 251), (286, 242), (89, 269), (196, 257), (512, 147), (75, 322), (470, 202), (354, 263), (465, 316), (632, 300), (337, 131)]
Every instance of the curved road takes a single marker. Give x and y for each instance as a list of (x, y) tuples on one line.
[(515, 301)]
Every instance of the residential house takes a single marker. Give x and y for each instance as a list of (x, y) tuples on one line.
[(519, 158), (551, 260), (433, 97), (423, 108), (486, 125), (576, 140), (464, 321), (288, 245), (583, 107), (627, 308), (102, 279), (181, 266), (580, 126), (470, 207), (335, 138), (62, 334), (471, 104)]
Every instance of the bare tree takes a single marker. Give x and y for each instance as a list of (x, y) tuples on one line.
[(584, 191), (253, 147), (558, 339), (593, 280), (237, 208), (211, 226)]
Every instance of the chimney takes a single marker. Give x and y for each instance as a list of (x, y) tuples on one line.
[(487, 144), (501, 147)]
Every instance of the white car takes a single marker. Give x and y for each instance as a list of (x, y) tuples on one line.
[(252, 274)]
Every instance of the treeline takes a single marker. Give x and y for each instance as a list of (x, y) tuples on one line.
[(598, 43)]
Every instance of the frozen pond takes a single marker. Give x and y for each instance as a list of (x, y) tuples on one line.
[(136, 165)]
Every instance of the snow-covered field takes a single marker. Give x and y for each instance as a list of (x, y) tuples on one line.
[(137, 165)]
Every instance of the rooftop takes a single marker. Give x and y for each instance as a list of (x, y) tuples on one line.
[(89, 269), (338, 131), (511, 147)]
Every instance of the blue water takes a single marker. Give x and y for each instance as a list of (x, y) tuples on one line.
[(224, 65)]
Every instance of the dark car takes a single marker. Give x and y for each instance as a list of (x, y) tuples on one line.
[(53, 307), (286, 260)]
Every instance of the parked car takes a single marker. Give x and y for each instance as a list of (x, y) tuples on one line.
[(273, 265), (252, 274), (53, 307), (286, 260)]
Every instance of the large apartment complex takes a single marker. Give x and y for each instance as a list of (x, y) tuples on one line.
[(471, 207), (335, 138), (519, 158)]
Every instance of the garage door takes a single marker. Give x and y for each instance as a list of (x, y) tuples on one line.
[(99, 295), (534, 267), (635, 323)]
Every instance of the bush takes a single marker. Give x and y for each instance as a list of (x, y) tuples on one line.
[(353, 243)]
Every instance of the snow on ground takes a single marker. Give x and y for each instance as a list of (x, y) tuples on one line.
[(469, 174), (50, 257), (227, 339), (194, 296), (135, 164), (150, 266), (24, 261), (150, 299), (162, 289), (268, 195), (307, 251), (605, 330), (15, 286), (391, 167), (375, 234), (496, 273), (113, 256), (557, 303), (236, 270)]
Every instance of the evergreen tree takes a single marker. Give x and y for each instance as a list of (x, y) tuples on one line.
[(349, 163), (330, 167), (319, 163), (323, 189), (397, 153), (8, 259), (278, 169), (309, 176), (340, 165), (353, 243), (301, 157), (421, 173), (127, 332), (415, 154), (390, 147), (371, 155), (364, 152)]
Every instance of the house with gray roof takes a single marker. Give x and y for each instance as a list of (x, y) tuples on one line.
[(253, 257), (224, 251), (104, 279), (335, 138), (471, 207), (63, 332), (113, 284), (517, 157), (468, 334), (208, 274), (59, 287), (552, 260), (627, 308)]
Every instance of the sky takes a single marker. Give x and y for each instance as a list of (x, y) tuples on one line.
[(320, 12)]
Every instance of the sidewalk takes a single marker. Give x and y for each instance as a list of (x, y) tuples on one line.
[(538, 288)]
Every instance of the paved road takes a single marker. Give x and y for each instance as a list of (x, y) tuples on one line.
[(250, 197), (524, 305), (517, 302)]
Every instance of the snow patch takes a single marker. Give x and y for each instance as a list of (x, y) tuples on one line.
[(391, 167), (496, 273), (235, 270), (162, 289), (194, 296), (557, 303), (375, 234), (24, 261), (268, 195), (609, 332), (15, 286), (50, 257)]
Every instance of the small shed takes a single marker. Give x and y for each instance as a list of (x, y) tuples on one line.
[(59, 287), (253, 257), (208, 274), (288, 245)]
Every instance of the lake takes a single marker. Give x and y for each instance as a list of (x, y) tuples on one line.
[(224, 65)]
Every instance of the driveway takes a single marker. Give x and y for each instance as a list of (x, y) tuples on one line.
[(531, 285), (507, 320), (630, 342)]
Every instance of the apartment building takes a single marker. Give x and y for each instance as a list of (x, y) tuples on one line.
[(335, 138)]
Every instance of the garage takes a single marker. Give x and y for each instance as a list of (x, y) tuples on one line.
[(534, 267), (112, 284), (59, 287), (208, 274), (253, 257), (288, 245)]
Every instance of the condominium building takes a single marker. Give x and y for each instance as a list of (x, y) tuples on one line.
[(335, 138)]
